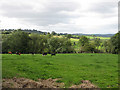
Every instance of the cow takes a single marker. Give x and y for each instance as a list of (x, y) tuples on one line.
[(32, 53), (18, 53), (10, 52), (53, 54), (44, 54)]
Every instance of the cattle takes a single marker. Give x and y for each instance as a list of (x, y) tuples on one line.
[(32, 53), (53, 54), (18, 53), (44, 54), (10, 52)]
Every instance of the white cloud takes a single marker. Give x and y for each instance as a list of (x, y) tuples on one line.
[(71, 16)]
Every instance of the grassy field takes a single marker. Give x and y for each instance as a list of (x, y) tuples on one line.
[(74, 40), (100, 69), (90, 37), (103, 38)]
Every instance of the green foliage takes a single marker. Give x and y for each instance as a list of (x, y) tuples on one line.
[(53, 33), (53, 44), (60, 45), (44, 33), (69, 36), (67, 46), (37, 43), (17, 41), (5, 43), (88, 48), (115, 42), (107, 46), (83, 40), (97, 42), (22, 42), (6, 32)]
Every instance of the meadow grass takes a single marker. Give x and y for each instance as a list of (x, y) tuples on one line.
[(90, 37), (74, 40), (100, 69), (103, 38)]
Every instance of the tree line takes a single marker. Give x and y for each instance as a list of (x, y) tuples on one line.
[(23, 42)]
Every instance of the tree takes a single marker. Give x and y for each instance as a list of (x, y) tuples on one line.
[(83, 40), (49, 35), (54, 44), (67, 46), (69, 36), (44, 33), (53, 33), (97, 42), (115, 43), (60, 45), (88, 48), (107, 46), (18, 41), (37, 43), (5, 43)]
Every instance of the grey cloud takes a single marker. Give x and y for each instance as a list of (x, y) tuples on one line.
[(59, 6), (49, 15), (47, 21), (104, 7), (110, 28), (68, 29)]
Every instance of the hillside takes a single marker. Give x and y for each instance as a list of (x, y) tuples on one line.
[(41, 32)]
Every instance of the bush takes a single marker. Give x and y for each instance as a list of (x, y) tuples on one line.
[(88, 48)]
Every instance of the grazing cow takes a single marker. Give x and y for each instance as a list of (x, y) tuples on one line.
[(33, 53), (18, 53), (53, 54), (10, 52), (44, 54)]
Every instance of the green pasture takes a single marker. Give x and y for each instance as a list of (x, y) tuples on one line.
[(103, 38), (90, 37), (100, 69), (74, 40)]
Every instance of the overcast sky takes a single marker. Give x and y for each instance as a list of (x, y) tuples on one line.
[(61, 16)]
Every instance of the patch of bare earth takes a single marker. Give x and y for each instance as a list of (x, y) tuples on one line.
[(85, 84), (27, 83), (48, 83)]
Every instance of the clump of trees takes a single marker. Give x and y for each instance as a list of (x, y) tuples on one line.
[(85, 45), (110, 46), (23, 42), (113, 45)]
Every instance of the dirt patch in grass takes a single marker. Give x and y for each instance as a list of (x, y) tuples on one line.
[(85, 84), (27, 83), (48, 83)]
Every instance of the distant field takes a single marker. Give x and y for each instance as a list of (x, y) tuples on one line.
[(74, 40), (90, 37), (100, 69), (106, 38)]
